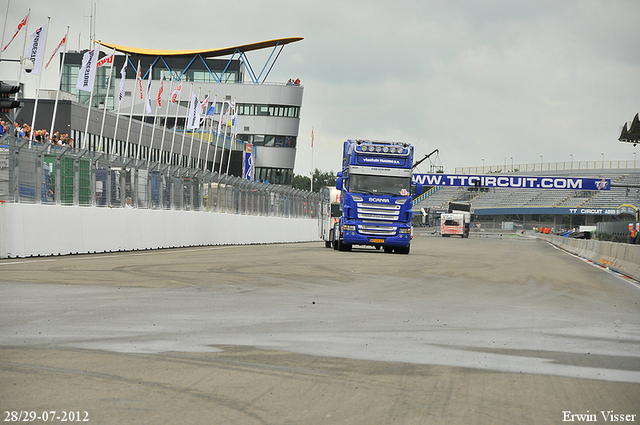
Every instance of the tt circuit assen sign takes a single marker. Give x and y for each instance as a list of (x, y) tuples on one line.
[(514, 182)]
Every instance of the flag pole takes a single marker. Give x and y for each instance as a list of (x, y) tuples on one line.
[(210, 135), (35, 104), (175, 121), (94, 63), (144, 114), (106, 99), (193, 130), (233, 138), (4, 29), (166, 116), (55, 105), (184, 129), (123, 77), (312, 158), (155, 116), (133, 100), (204, 124), (215, 152), (24, 47)]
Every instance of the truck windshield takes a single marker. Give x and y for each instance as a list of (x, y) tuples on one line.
[(380, 185)]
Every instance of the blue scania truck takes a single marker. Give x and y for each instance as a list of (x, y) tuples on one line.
[(375, 186)]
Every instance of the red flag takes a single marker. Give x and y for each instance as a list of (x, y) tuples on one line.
[(160, 93), (140, 80), (63, 41), (312, 137), (176, 92), (20, 25)]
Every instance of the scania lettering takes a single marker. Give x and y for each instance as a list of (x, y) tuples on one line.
[(329, 213), (375, 196)]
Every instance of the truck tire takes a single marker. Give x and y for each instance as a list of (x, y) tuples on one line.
[(327, 243), (403, 250)]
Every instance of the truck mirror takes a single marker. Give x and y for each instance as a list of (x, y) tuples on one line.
[(339, 183), (416, 189)]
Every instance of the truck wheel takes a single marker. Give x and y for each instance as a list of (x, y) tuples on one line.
[(344, 247), (327, 244), (403, 250)]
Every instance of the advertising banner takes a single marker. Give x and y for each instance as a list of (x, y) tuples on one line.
[(512, 181)]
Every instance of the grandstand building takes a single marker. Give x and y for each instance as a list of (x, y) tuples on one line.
[(268, 113), (556, 208)]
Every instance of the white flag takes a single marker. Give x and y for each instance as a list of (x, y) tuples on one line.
[(87, 70), (148, 103), (35, 51), (224, 115), (107, 60), (176, 93), (123, 76), (234, 121), (194, 113)]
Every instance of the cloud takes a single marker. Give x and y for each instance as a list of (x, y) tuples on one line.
[(477, 80)]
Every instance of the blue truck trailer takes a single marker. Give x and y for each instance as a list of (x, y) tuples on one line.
[(375, 196)]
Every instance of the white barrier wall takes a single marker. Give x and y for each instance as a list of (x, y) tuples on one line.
[(621, 257), (35, 229)]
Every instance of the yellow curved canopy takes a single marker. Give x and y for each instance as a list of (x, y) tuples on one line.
[(209, 53)]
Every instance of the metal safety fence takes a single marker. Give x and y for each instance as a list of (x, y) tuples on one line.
[(32, 172)]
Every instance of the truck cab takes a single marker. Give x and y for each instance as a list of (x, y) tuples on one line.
[(375, 196)]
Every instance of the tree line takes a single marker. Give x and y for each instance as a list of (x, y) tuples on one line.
[(320, 179)]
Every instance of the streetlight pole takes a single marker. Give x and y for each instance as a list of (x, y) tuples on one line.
[(571, 155), (541, 161), (602, 153), (482, 165), (512, 164)]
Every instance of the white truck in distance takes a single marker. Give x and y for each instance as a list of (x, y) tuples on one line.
[(456, 221)]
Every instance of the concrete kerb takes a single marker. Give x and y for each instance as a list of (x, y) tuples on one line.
[(622, 258)]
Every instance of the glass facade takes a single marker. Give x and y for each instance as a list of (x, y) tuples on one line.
[(281, 176)]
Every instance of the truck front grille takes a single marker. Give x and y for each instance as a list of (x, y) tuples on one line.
[(372, 229), (367, 211)]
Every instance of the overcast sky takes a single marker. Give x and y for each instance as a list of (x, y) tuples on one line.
[(477, 80)]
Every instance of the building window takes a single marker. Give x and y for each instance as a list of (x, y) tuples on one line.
[(281, 176)]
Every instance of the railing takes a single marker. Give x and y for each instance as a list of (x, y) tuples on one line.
[(550, 166), (46, 174)]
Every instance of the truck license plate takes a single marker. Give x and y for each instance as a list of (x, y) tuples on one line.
[(377, 240)]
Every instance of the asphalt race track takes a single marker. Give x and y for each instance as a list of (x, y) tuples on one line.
[(485, 330)]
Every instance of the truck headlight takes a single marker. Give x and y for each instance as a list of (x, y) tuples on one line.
[(349, 227), (405, 231)]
